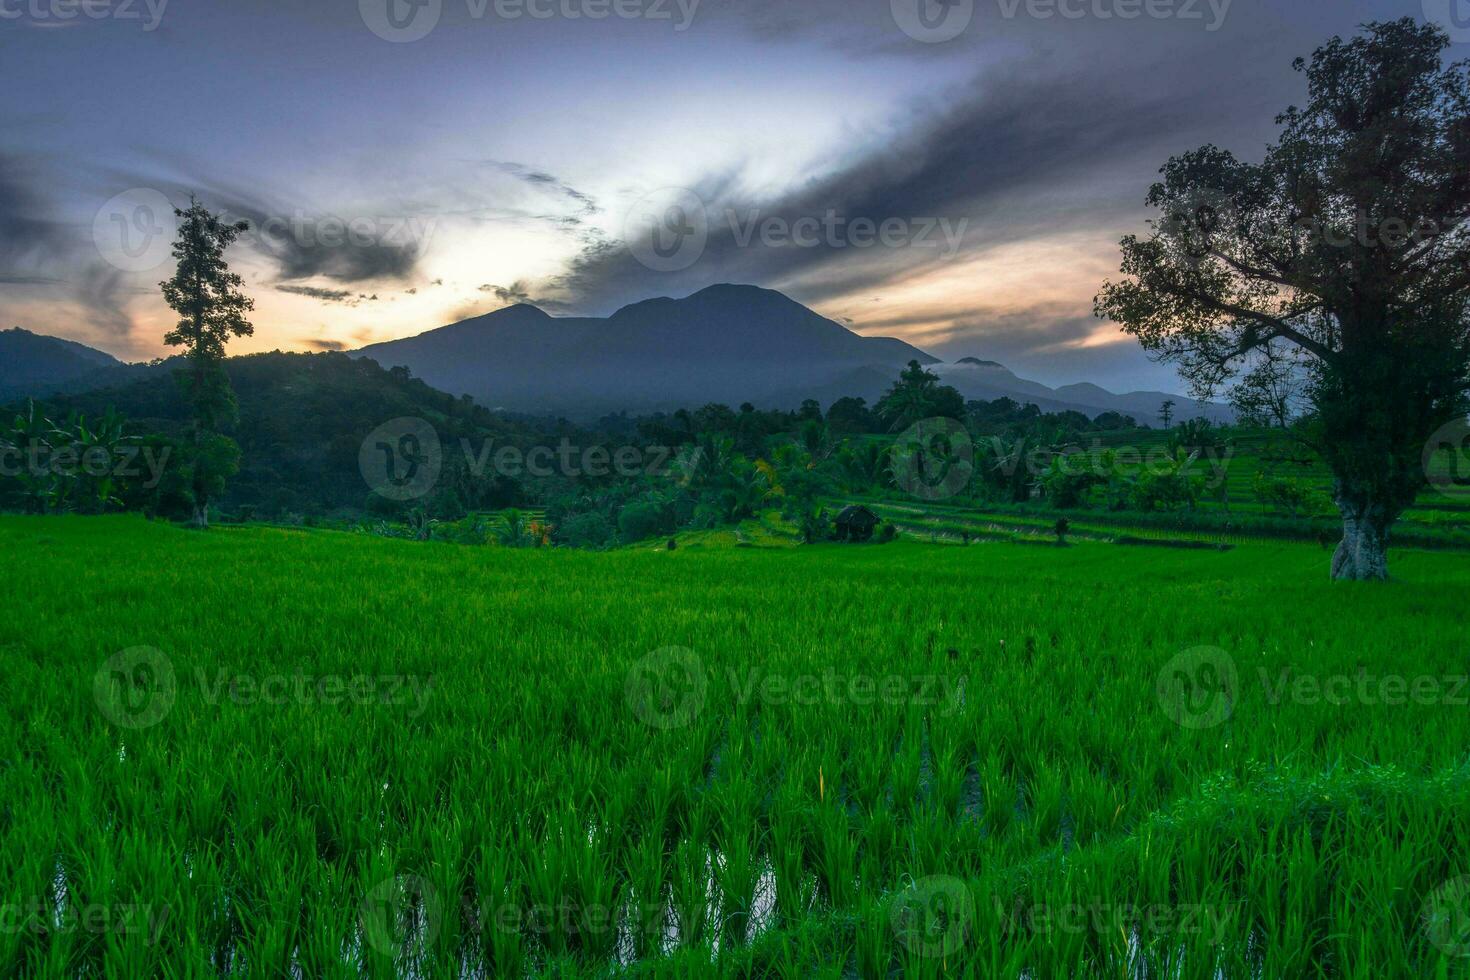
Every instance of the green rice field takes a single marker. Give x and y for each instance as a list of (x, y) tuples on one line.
[(262, 752)]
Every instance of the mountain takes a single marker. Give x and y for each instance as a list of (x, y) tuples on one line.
[(726, 343), (34, 364), (987, 381)]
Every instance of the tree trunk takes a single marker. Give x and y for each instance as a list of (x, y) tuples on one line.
[(1362, 555), (201, 515)]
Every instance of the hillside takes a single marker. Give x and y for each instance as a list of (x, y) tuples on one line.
[(35, 364), (302, 422)]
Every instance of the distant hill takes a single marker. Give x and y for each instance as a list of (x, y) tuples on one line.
[(987, 381), (726, 343), (34, 364), (303, 419)]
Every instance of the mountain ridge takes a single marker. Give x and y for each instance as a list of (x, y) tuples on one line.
[(726, 343)]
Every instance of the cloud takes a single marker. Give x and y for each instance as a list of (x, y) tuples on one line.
[(362, 245), (101, 290), (325, 295), (1028, 150), (322, 344), (587, 205), (516, 292), (30, 240)]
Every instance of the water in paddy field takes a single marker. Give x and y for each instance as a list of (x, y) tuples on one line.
[(413, 925)]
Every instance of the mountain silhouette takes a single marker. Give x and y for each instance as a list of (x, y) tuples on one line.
[(725, 343), (34, 364)]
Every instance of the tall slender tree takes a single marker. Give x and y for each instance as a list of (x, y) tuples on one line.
[(1348, 244), (206, 295)]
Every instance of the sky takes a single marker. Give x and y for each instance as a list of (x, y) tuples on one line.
[(956, 173)]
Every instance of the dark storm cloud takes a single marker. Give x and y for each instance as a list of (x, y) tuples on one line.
[(103, 292), (516, 292), (304, 243), (36, 249), (29, 238), (342, 297), (1011, 161), (538, 178)]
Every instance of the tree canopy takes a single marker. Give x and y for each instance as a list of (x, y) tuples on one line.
[(1348, 246)]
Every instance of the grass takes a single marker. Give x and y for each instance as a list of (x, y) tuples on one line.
[(331, 754)]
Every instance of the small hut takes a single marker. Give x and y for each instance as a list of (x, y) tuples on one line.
[(856, 523)]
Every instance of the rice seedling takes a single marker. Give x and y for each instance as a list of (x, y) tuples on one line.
[(263, 751)]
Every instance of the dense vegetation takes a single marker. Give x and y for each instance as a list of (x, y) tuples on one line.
[(304, 420)]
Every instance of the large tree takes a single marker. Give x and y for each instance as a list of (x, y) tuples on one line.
[(1347, 244), (918, 395), (211, 308)]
